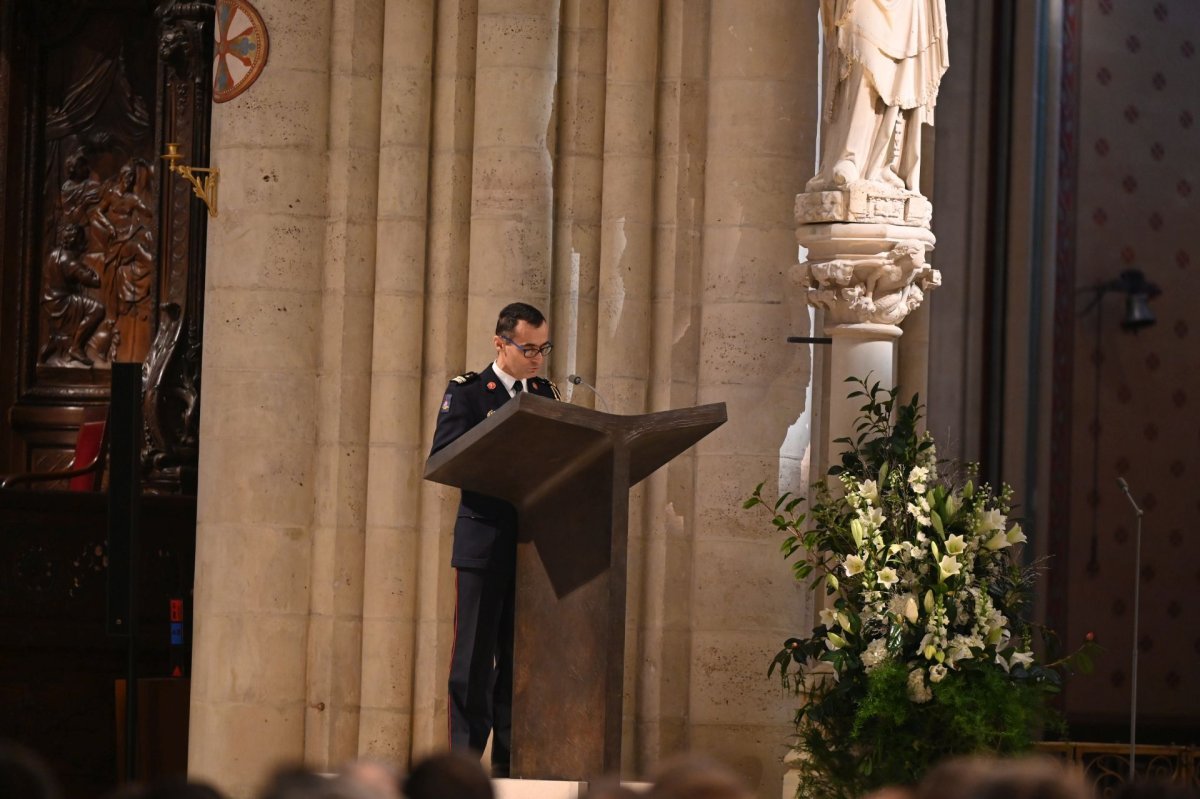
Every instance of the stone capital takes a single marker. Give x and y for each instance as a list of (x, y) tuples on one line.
[(866, 274)]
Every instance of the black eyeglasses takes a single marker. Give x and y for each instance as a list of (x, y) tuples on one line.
[(528, 350)]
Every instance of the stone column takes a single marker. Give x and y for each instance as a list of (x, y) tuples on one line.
[(866, 275), (257, 470), (578, 176), (393, 533), (447, 265), (344, 388), (512, 181), (759, 93), (626, 262)]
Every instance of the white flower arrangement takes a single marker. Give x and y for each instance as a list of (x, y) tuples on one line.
[(924, 632)]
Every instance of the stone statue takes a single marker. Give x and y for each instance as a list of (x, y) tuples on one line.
[(884, 60), (74, 314)]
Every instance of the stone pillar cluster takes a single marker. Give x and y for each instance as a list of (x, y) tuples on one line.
[(402, 170)]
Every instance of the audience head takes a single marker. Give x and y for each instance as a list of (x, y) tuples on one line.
[(24, 774), (449, 775), (697, 777), (380, 779), (957, 778), (171, 788), (293, 782), (1019, 778)]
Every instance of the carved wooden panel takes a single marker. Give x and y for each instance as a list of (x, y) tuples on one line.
[(102, 259)]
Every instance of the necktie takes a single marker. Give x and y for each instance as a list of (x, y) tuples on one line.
[(518, 387)]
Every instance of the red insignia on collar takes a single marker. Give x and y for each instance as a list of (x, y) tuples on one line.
[(491, 385)]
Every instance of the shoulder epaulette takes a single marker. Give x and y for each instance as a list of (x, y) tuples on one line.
[(465, 377), (550, 383)]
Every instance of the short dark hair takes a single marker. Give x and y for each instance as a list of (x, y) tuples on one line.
[(24, 773), (448, 774), (518, 312)]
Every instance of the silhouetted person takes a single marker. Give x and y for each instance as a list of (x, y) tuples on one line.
[(24, 775), (294, 782), (450, 775), (697, 777)]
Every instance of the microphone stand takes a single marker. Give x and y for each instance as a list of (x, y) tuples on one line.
[(576, 380), (1137, 589)]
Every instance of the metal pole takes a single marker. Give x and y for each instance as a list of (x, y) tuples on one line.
[(1137, 598)]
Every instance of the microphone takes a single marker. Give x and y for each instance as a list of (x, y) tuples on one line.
[(576, 380), (1129, 495)]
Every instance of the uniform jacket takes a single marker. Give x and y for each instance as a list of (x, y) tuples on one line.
[(485, 533)]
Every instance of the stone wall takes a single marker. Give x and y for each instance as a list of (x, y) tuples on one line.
[(399, 172)]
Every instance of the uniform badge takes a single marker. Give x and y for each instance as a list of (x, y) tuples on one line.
[(491, 386), (446, 404)]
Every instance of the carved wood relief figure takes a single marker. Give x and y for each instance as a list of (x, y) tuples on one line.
[(97, 126), (119, 251), (73, 312)]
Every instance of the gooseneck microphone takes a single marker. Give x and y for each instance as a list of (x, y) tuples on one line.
[(576, 380), (1137, 608)]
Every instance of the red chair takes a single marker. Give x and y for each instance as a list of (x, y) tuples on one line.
[(85, 472)]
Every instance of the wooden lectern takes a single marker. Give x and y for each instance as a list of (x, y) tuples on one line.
[(568, 471)]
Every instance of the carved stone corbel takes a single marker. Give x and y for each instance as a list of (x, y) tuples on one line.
[(878, 288)]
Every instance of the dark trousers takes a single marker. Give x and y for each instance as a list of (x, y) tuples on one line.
[(481, 664)]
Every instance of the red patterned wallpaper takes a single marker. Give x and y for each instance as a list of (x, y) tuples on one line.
[(1135, 204)]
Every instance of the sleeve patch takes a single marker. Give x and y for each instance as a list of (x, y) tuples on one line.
[(446, 404)]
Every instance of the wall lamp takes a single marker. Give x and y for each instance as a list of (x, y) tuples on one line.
[(1138, 292), (206, 188)]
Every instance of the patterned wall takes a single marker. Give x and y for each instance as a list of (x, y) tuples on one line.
[(1133, 146)]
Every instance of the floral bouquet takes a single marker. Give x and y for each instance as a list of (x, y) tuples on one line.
[(923, 649)]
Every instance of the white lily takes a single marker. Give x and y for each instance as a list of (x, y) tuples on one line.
[(853, 565), (991, 520), (869, 491), (1015, 535), (887, 577), (948, 566), (955, 545), (998, 541)]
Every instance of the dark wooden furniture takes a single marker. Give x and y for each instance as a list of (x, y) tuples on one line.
[(58, 665), (85, 472), (568, 471)]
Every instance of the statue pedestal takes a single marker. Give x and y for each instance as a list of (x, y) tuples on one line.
[(864, 202)]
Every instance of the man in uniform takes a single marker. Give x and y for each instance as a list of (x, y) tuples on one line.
[(485, 541)]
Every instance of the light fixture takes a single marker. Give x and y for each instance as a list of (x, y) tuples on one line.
[(1138, 293), (205, 189)]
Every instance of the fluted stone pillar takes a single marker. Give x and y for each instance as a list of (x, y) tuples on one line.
[(447, 267), (578, 178), (760, 95), (393, 532), (513, 175), (335, 635), (626, 263), (259, 428)]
